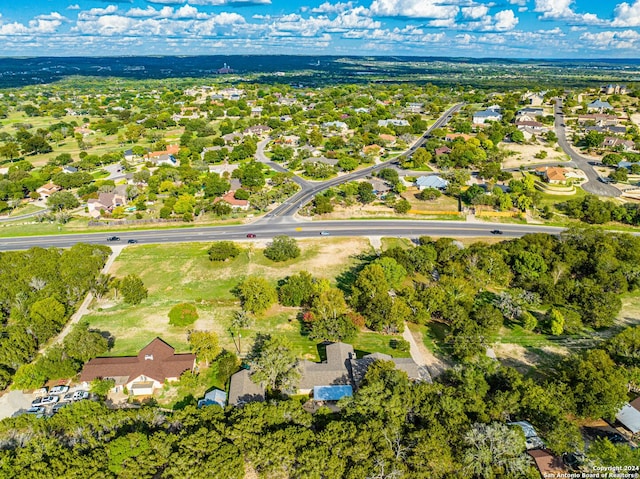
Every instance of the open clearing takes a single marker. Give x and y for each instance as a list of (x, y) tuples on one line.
[(525, 155), (183, 273)]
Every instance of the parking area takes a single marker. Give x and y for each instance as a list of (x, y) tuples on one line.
[(42, 403)]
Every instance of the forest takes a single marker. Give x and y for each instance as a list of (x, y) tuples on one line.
[(39, 291)]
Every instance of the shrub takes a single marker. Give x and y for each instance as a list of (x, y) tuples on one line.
[(400, 344), (223, 250), (183, 314), (241, 194), (282, 248)]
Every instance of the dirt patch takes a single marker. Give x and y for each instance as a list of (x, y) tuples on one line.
[(331, 253), (635, 118), (525, 155), (523, 359)]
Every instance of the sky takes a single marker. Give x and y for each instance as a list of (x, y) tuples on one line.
[(461, 28)]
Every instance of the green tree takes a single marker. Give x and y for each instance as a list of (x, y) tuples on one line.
[(223, 250), (227, 364), (274, 364), (83, 344), (556, 322), (365, 192), (494, 450), (394, 273), (183, 314), (62, 200), (256, 294), (402, 207), (297, 289), (28, 376), (47, 318), (101, 387), (282, 248), (205, 345), (599, 386), (132, 289)]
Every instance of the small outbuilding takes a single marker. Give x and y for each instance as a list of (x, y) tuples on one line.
[(215, 396)]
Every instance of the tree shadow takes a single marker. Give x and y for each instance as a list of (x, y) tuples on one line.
[(186, 401), (347, 278)]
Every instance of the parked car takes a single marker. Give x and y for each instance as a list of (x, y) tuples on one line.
[(113, 238), (35, 410), (59, 406), (132, 241), (496, 232), (324, 233), (41, 392), (250, 235), (68, 397), (43, 401), (59, 389), (79, 395)]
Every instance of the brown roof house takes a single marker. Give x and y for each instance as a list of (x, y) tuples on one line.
[(47, 190), (156, 363), (548, 464), (552, 174), (105, 202)]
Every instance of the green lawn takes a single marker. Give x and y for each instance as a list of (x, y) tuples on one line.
[(183, 273), (388, 243)]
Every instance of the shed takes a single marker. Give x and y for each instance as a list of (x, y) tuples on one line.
[(629, 417), (331, 393), (215, 396)]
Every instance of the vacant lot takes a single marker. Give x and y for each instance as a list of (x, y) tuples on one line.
[(183, 273), (525, 155)]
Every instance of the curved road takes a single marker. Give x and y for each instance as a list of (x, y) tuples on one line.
[(593, 185), (309, 191)]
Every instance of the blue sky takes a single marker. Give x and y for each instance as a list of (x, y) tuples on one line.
[(469, 28)]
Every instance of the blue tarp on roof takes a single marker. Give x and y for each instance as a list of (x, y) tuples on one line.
[(331, 393)]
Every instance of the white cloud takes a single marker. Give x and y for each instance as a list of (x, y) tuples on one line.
[(475, 12), (73, 7), (413, 9), (505, 20), (627, 15), (35, 27), (327, 7), (52, 16), (520, 3), (607, 40), (561, 10)]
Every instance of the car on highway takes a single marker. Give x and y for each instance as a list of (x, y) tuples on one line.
[(496, 232), (324, 233), (59, 389), (132, 241), (251, 235), (113, 238)]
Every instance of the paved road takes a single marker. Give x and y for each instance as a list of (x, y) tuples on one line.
[(308, 192), (261, 157), (23, 217), (593, 185), (282, 226)]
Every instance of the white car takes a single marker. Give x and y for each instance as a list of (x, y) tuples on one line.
[(59, 389), (79, 395), (45, 401)]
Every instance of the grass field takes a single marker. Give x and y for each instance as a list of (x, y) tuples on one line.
[(183, 273), (443, 203)]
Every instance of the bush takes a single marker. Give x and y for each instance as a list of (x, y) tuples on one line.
[(241, 194), (223, 250), (133, 289), (429, 194), (400, 344), (402, 207), (282, 248), (183, 314)]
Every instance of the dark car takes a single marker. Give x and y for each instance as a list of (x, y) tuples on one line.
[(132, 241), (113, 238), (250, 235), (496, 232)]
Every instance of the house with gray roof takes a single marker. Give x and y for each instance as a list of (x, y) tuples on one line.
[(599, 105), (432, 181), (243, 390), (480, 117), (393, 122)]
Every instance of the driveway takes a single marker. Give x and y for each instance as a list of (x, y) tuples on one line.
[(14, 402)]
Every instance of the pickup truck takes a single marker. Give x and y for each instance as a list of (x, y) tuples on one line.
[(113, 238)]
